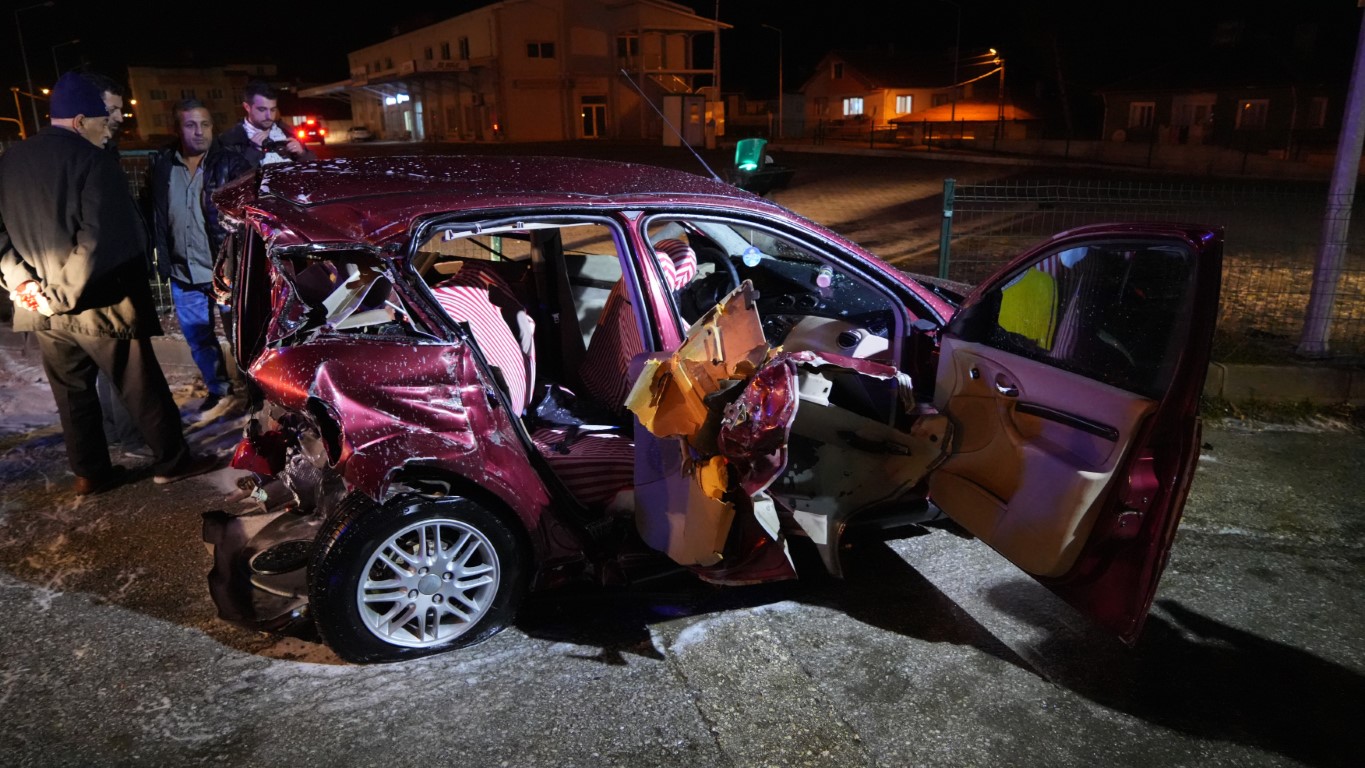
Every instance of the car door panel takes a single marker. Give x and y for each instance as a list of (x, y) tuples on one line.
[(1024, 483), (1072, 381)]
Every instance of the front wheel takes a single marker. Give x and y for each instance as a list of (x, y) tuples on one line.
[(393, 583)]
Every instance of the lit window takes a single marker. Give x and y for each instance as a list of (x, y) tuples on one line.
[(853, 106), (904, 104), (1251, 114), (1140, 114)]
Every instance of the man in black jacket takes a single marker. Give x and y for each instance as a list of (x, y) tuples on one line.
[(72, 256), (259, 138), (185, 233)]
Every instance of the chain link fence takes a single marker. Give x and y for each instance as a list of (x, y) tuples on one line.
[(1273, 234), (136, 166)]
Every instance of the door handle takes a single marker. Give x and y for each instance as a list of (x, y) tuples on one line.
[(1004, 387)]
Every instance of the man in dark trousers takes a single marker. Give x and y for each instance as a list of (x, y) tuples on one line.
[(73, 258), (259, 137), (119, 429), (183, 220)]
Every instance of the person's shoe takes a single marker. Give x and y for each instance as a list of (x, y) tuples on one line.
[(210, 401), (91, 486), (138, 452), (228, 405), (194, 465)]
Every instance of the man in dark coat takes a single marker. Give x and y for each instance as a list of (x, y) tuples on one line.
[(185, 233), (72, 256), (259, 137)]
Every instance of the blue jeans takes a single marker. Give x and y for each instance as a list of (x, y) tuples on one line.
[(195, 308)]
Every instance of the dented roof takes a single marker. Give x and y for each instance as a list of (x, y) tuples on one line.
[(371, 200)]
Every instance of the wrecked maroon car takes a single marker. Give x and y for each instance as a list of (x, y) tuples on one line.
[(477, 377)]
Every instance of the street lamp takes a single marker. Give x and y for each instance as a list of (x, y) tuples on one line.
[(781, 114), (23, 55), (55, 66)]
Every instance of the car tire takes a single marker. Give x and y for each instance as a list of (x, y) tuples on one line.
[(400, 582)]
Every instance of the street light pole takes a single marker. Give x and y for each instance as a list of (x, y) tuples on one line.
[(781, 114), (23, 55), (715, 55), (957, 54), (57, 68), (18, 110)]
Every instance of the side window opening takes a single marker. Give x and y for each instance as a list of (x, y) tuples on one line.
[(547, 305), (805, 302), (1116, 313), (341, 290)]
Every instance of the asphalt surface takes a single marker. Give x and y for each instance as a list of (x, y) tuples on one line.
[(934, 652)]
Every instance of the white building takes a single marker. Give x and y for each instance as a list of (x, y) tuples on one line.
[(530, 70)]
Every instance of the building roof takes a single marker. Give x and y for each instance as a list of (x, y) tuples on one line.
[(877, 69)]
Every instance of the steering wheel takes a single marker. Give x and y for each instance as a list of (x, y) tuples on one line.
[(705, 292)]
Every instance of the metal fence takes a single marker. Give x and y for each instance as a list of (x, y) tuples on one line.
[(136, 164), (1273, 235)]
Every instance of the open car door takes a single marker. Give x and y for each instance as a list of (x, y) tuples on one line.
[(1072, 381)]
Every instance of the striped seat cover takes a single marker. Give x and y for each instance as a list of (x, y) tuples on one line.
[(482, 298), (594, 466)]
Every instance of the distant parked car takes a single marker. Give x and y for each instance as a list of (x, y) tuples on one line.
[(475, 377), (310, 131), (359, 133)]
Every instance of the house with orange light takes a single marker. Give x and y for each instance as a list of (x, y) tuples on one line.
[(885, 94)]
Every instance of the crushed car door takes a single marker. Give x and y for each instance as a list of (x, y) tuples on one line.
[(1072, 382)]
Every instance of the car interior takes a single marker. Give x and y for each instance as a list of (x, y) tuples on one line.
[(552, 308)]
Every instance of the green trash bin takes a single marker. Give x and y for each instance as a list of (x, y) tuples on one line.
[(749, 154)]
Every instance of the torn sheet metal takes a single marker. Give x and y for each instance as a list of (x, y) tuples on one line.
[(757, 426), (723, 347), (732, 412)]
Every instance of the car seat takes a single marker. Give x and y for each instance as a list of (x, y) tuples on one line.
[(483, 299), (616, 340)]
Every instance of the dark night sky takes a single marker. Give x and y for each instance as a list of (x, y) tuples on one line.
[(1096, 42)]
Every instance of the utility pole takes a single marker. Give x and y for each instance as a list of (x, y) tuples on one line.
[(715, 54), (781, 114), (1336, 221), (37, 124)]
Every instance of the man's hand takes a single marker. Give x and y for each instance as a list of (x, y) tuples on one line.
[(29, 295), (295, 148)]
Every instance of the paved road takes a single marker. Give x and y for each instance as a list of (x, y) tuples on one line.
[(933, 653)]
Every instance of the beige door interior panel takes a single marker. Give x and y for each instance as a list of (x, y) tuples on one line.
[(1034, 448)]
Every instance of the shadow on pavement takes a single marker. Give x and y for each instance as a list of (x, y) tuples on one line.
[(1203, 678), (879, 589)]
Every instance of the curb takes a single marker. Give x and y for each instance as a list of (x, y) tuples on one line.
[(1235, 382)]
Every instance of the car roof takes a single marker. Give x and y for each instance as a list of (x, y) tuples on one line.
[(372, 200)]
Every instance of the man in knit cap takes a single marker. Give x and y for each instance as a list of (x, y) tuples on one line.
[(72, 257)]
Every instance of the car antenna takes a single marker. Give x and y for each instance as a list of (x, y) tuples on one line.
[(694, 152)]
